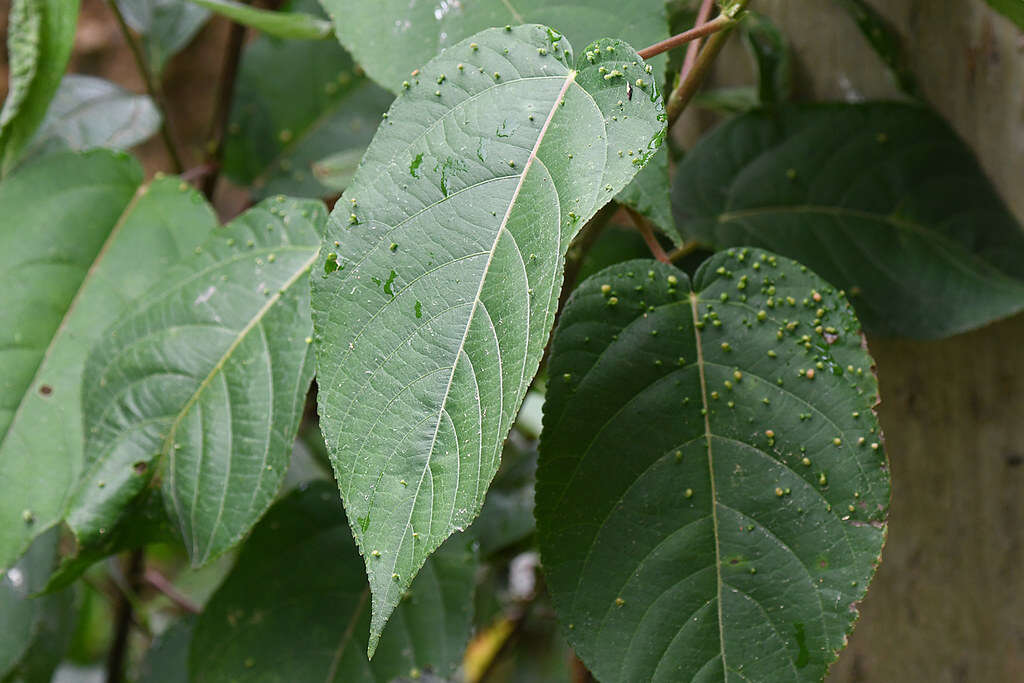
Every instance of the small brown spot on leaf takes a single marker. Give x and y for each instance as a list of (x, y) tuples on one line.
[(45, 389)]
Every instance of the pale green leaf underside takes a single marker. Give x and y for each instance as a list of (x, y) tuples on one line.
[(440, 273), (882, 199), (649, 194), (712, 486), (40, 35), (203, 382), (89, 112), (164, 26), (296, 606), (295, 103), (75, 249), (371, 31)]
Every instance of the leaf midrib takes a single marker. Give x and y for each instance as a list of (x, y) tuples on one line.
[(166, 448), (711, 473)]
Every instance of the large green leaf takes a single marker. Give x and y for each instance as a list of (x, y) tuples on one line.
[(164, 26), (371, 31), (39, 38), (735, 538), (882, 199), (649, 194), (295, 103), (202, 383), (296, 605), (437, 287), (89, 112), (78, 241), (166, 659)]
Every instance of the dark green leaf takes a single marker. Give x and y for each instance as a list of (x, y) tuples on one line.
[(882, 199), (770, 51), (291, 25), (203, 382), (391, 38), (296, 605), (78, 241), (165, 26), (1012, 9), (507, 515), (167, 658), (440, 275), (712, 488), (649, 194), (295, 103), (89, 112), (34, 631), (39, 38), (885, 41)]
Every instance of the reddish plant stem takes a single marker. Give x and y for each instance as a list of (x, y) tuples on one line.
[(645, 229), (690, 36), (160, 582), (691, 51)]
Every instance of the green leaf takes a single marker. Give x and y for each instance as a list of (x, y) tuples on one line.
[(649, 194), (296, 605), (281, 125), (885, 41), (198, 390), (34, 631), (89, 112), (164, 26), (78, 241), (882, 199), (166, 659), (440, 274), (740, 532), (291, 25), (371, 31), (1011, 9), (507, 514), (769, 49), (39, 38)]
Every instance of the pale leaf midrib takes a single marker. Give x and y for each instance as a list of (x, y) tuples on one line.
[(711, 475), (167, 448), (569, 79)]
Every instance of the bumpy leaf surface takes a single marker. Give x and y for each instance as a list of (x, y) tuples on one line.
[(438, 282), (39, 39), (79, 240), (712, 485), (881, 199), (371, 31), (296, 605), (297, 102), (203, 381)]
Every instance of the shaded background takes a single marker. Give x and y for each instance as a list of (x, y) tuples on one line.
[(948, 601)]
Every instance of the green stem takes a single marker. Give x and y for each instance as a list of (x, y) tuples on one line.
[(693, 79), (152, 88)]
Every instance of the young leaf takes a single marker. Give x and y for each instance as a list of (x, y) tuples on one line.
[(203, 384), (738, 534), (390, 38), (883, 199), (289, 25), (165, 27), (89, 112), (296, 605), (39, 38), (75, 248), (440, 274), (281, 125)]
